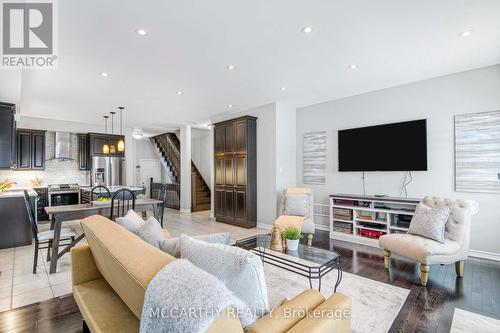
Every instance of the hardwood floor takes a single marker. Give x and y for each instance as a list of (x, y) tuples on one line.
[(425, 310)]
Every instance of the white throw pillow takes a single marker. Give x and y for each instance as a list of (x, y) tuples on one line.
[(172, 245), (242, 271), (297, 204), (429, 222), (131, 221), (151, 232)]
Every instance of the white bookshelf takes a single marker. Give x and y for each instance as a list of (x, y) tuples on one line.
[(371, 213)]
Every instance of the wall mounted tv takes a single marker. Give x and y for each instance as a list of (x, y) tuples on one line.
[(389, 147)]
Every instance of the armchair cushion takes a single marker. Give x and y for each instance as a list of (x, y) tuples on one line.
[(430, 222), (297, 204), (285, 221), (423, 250)]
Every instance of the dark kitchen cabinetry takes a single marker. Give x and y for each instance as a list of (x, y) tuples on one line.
[(38, 150), (43, 201), (7, 135), (235, 153), (97, 141), (30, 149), (83, 152)]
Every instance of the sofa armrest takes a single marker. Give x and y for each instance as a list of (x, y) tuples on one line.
[(83, 267), (332, 316), (285, 316)]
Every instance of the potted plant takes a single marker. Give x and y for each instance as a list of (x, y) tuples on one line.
[(292, 236)]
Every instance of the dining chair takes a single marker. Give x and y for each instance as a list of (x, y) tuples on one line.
[(121, 202), (45, 237), (160, 208), (98, 192)]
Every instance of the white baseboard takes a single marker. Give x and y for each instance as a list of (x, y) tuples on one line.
[(264, 226), (185, 211), (484, 255)]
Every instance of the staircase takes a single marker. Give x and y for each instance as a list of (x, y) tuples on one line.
[(170, 148)]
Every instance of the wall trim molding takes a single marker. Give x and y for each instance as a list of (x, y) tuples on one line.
[(185, 210), (484, 255)]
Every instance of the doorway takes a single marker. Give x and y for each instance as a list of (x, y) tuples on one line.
[(150, 168)]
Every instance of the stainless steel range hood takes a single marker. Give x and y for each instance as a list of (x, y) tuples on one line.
[(63, 142)]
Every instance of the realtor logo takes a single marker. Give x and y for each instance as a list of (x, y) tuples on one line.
[(28, 31)]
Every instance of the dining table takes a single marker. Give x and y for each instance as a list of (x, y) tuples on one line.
[(60, 214)]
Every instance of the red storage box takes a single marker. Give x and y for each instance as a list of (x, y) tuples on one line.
[(371, 233)]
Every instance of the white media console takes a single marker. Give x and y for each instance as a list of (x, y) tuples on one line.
[(362, 219)]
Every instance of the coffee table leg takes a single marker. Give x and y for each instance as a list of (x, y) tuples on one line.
[(339, 277)]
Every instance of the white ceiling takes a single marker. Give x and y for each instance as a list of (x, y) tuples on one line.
[(190, 43)]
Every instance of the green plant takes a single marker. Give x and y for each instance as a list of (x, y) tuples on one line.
[(292, 233)]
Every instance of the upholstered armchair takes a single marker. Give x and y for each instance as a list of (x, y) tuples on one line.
[(429, 252), (297, 209)]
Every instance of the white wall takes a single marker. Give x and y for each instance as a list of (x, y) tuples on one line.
[(266, 159), (144, 149), (201, 151), (286, 123), (437, 100)]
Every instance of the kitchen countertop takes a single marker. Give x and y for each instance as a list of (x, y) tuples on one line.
[(14, 193), (115, 188)]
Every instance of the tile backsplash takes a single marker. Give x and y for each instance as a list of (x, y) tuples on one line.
[(56, 171)]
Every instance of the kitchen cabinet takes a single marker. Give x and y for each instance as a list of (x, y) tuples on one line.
[(23, 150), (30, 149), (83, 152), (7, 135), (235, 162), (38, 150), (96, 141)]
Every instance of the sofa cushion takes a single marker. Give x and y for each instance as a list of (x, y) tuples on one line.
[(125, 261), (429, 222), (103, 309), (151, 232), (172, 245), (418, 248), (241, 270), (280, 319), (131, 221)]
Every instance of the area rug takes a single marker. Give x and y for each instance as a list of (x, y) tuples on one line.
[(468, 322), (374, 304)]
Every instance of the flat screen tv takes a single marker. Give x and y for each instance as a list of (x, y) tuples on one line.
[(389, 147)]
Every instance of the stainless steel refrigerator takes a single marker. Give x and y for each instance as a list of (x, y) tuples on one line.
[(107, 171)]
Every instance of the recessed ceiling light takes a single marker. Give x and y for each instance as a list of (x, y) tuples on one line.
[(141, 32), (465, 33), (230, 105), (180, 93), (283, 88), (353, 66), (104, 74), (231, 67), (307, 30)]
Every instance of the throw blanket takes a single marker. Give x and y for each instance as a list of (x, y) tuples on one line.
[(185, 298), (285, 221)]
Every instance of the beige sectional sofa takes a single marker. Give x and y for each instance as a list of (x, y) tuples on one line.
[(112, 272)]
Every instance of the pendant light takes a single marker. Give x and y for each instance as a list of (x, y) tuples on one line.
[(105, 147), (121, 143), (112, 147)]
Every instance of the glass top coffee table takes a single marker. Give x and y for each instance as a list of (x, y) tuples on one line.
[(310, 262)]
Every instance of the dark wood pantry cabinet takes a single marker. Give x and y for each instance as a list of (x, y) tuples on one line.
[(7, 135), (235, 154)]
